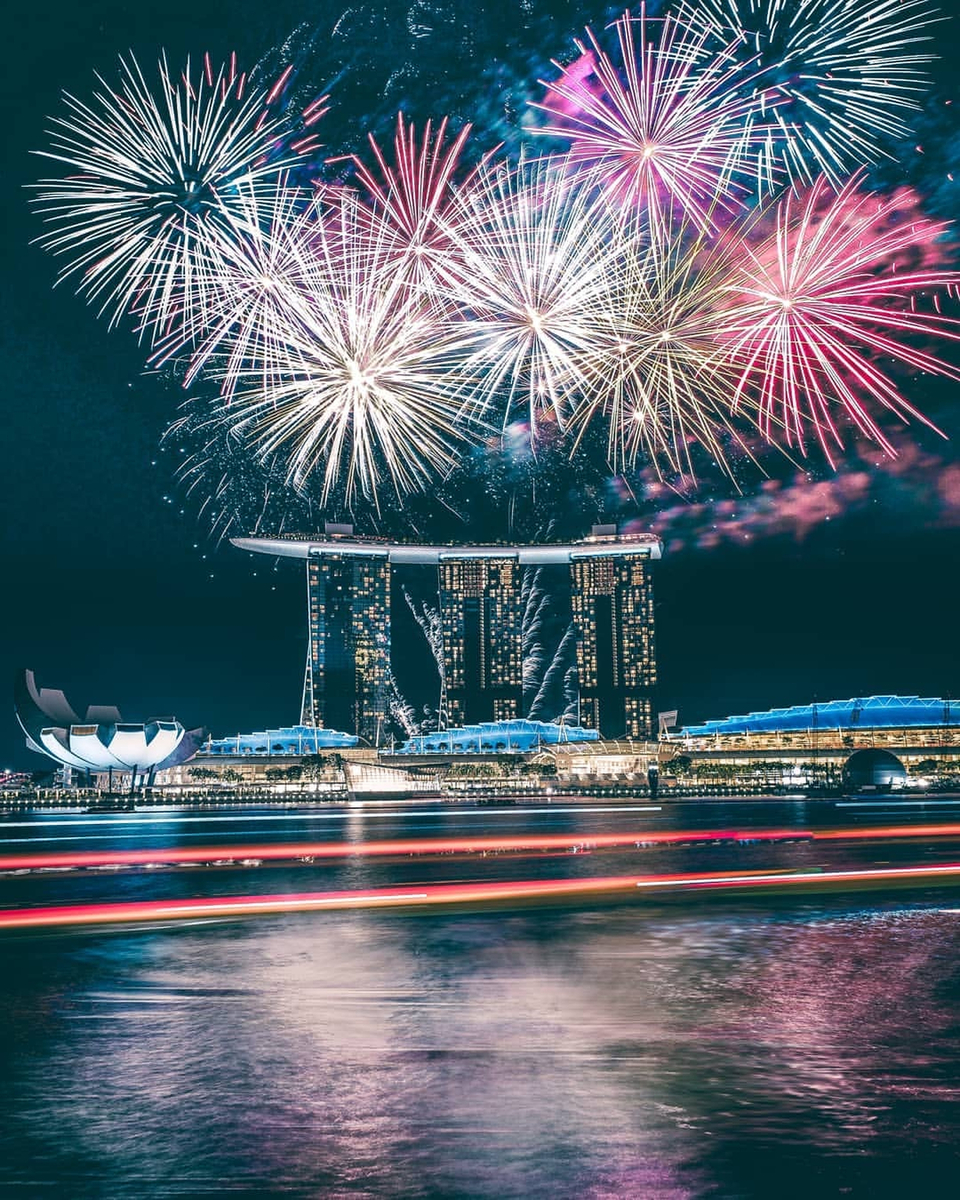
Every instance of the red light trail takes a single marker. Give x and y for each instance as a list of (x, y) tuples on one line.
[(618, 887), (496, 844), (273, 851)]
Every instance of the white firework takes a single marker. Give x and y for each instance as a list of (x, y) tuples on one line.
[(832, 80), (536, 256), (358, 386), (148, 172), (256, 258)]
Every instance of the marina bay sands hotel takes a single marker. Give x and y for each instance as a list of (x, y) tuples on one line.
[(346, 682)]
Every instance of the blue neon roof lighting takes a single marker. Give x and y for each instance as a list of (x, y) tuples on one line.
[(292, 739), (496, 737), (870, 712)]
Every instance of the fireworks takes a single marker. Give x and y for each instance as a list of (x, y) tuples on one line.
[(357, 384), (416, 197), (831, 78), (533, 267), (150, 174), (254, 284), (653, 371), (635, 302), (668, 133), (815, 307)]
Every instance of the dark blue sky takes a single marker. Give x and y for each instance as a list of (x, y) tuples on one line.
[(111, 591)]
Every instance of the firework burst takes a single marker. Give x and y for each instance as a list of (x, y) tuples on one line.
[(814, 308), (355, 382), (254, 284), (150, 173), (653, 372), (415, 196), (832, 79), (533, 264), (666, 129)]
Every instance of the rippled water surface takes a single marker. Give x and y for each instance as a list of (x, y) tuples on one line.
[(700, 1049)]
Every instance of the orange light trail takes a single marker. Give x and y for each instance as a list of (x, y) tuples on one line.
[(292, 851), (278, 851), (619, 887)]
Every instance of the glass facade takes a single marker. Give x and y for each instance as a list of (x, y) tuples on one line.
[(612, 604), (481, 622), (348, 683), (348, 654)]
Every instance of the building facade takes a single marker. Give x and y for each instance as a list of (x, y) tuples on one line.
[(481, 623), (346, 682), (348, 676), (612, 603)]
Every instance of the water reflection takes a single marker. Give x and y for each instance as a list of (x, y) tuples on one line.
[(614, 1053)]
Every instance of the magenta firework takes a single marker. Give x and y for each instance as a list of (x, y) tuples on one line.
[(690, 267)]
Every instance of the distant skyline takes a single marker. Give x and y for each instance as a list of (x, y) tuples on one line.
[(113, 586)]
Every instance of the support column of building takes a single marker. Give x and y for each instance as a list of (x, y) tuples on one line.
[(612, 603), (348, 645), (481, 622)]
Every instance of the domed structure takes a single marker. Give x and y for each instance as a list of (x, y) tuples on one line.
[(102, 741), (874, 768)]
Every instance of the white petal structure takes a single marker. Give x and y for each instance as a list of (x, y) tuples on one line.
[(98, 745)]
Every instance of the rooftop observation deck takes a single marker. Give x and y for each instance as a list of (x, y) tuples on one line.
[(598, 545)]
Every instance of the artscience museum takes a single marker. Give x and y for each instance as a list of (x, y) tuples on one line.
[(101, 740)]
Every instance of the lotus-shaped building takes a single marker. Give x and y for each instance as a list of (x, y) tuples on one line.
[(102, 741)]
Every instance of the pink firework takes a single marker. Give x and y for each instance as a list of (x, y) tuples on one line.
[(667, 130), (843, 282), (415, 195)]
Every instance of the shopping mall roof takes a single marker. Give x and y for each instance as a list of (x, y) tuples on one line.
[(870, 712), (291, 740), (496, 737)]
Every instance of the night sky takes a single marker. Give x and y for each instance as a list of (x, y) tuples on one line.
[(113, 587)]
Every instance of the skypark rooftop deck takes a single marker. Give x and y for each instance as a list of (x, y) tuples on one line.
[(401, 553)]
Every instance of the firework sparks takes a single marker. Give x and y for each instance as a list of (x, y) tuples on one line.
[(415, 196), (253, 283), (653, 371), (815, 306), (149, 174), (536, 312), (536, 263), (357, 386), (668, 132), (833, 78)]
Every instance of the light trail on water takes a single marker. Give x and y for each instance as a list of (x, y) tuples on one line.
[(389, 848), (345, 815), (620, 888), (247, 853)]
